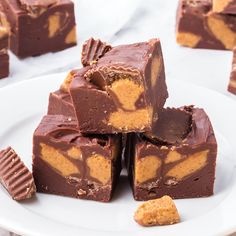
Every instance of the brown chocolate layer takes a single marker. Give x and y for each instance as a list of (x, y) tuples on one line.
[(93, 50), (4, 64), (199, 27), (123, 91), (15, 176), (3, 38), (182, 169), (172, 126), (40, 28), (68, 163)]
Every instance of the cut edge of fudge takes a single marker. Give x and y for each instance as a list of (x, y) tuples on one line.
[(67, 163)]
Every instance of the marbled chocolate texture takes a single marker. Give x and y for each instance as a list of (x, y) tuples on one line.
[(123, 91)]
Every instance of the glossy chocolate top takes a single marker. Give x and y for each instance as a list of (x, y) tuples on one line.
[(63, 129), (134, 55), (172, 126), (130, 60), (183, 126)]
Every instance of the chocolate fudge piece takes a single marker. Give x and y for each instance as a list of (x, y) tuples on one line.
[(224, 6), (92, 50), (40, 26), (177, 159), (123, 91), (68, 163), (60, 103), (160, 211), (232, 80), (4, 57), (199, 27), (15, 176)]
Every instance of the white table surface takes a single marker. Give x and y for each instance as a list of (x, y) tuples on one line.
[(124, 21)]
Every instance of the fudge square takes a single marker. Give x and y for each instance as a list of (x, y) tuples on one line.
[(122, 91), (199, 27), (224, 6), (40, 26), (177, 159), (232, 79), (70, 164), (4, 57)]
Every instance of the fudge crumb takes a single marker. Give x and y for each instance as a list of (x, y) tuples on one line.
[(160, 211)]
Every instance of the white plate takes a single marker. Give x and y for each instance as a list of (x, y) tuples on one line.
[(21, 108), (91, 22)]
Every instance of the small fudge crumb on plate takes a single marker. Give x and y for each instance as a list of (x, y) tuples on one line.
[(160, 211)]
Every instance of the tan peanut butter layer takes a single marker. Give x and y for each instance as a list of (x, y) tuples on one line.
[(146, 168), (161, 211), (100, 168)]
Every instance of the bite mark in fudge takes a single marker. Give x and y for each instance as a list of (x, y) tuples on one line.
[(224, 6), (65, 162), (15, 176), (232, 79), (51, 25), (92, 50), (161, 211), (178, 158), (123, 91), (199, 27)]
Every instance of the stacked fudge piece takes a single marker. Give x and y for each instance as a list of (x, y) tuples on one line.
[(207, 24), (39, 26), (115, 102)]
